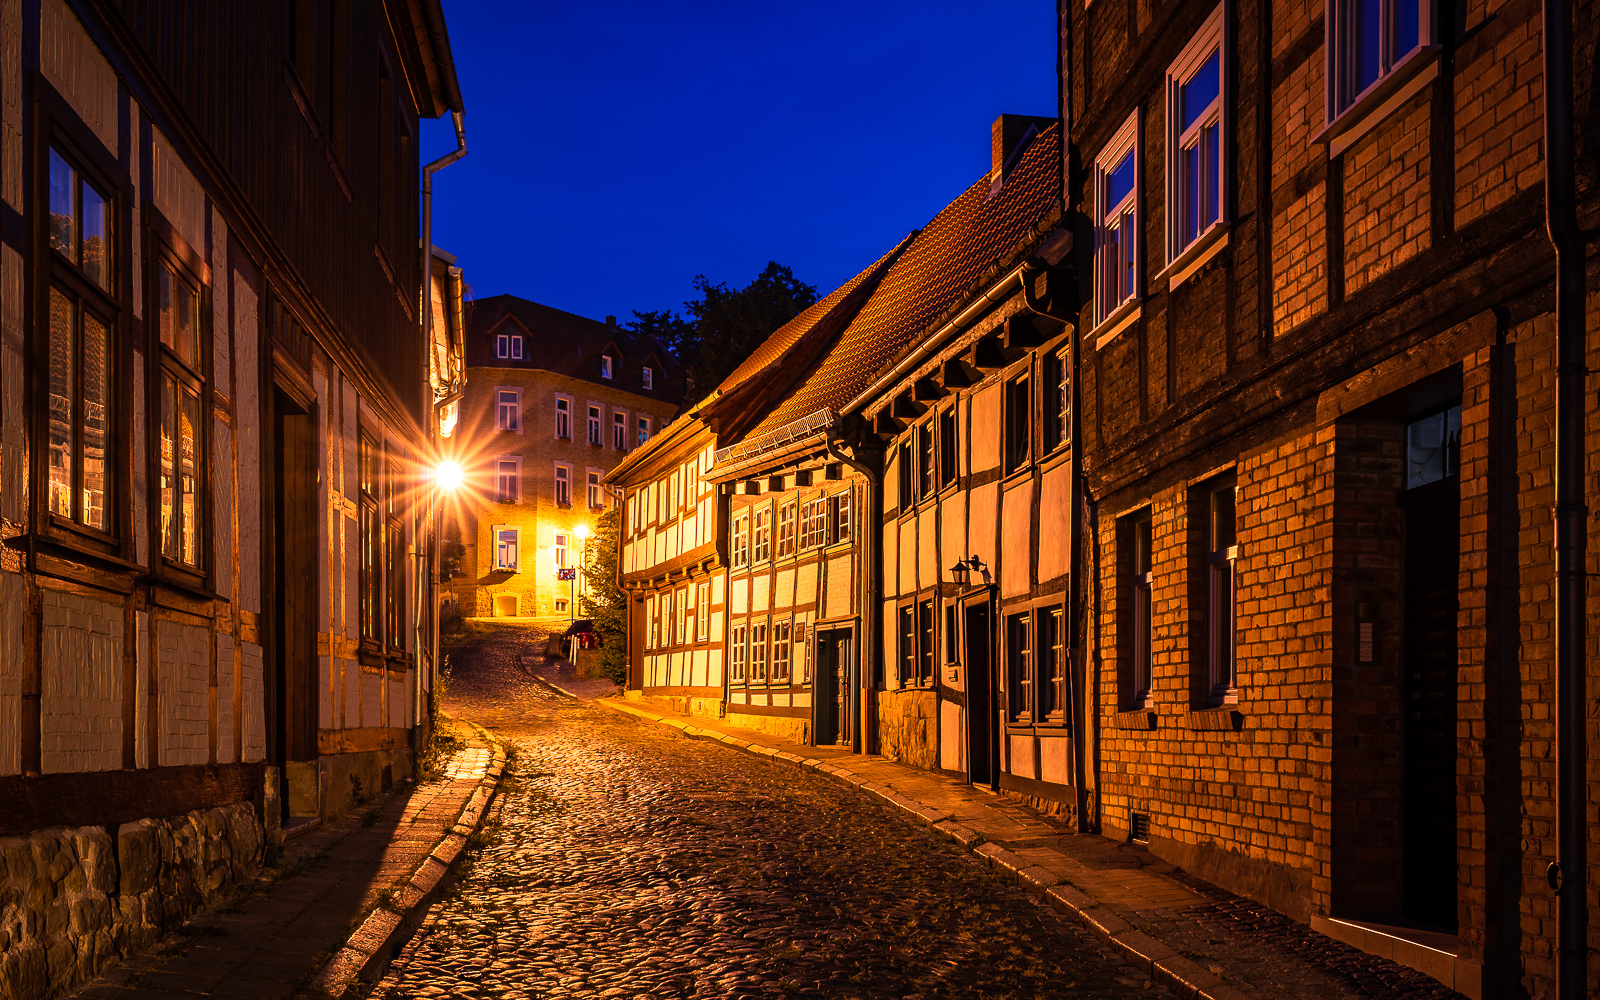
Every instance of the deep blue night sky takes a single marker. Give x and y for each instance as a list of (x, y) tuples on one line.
[(618, 149)]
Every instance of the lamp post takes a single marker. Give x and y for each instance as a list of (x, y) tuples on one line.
[(583, 557), (447, 478)]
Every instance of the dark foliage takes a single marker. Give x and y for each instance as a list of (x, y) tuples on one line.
[(602, 600)]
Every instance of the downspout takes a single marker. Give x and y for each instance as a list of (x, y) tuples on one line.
[(1567, 875), (869, 653), (425, 305)]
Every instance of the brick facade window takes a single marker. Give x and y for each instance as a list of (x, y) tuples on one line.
[(619, 431), (594, 425), (1196, 132), (508, 410), (508, 346), (1019, 669), (559, 550), (1117, 221), (1221, 551), (563, 418), (1370, 41), (596, 496), (508, 480), (644, 429), (563, 494), (505, 548), (1137, 619)]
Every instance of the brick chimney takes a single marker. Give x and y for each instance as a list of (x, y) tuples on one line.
[(1009, 136)]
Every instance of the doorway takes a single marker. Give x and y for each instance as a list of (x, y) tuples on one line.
[(1428, 692), (833, 686), (292, 725), (980, 681)]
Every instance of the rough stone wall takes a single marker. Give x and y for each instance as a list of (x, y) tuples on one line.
[(81, 681), (73, 900), (908, 726)]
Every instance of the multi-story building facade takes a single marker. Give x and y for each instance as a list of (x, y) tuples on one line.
[(1319, 424), (553, 402), (212, 371)]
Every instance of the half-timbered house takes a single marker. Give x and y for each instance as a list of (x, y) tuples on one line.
[(215, 405)]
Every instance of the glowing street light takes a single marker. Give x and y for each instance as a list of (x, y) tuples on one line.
[(448, 476)]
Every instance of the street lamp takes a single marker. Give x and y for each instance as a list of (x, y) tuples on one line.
[(447, 478), (963, 569), (447, 475)]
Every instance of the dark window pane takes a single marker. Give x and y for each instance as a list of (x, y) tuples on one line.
[(61, 403), (169, 451), (1367, 33), (96, 238), (96, 385), (1407, 28), (1201, 89), (1119, 181), (63, 216)]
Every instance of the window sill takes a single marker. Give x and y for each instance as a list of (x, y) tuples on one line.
[(1222, 719), (1416, 71), (1057, 456), (1195, 256), (1135, 719), (1124, 317)]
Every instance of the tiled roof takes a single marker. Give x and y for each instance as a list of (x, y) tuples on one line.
[(943, 267), (569, 344)]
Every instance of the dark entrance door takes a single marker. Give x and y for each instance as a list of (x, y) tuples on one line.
[(980, 680), (292, 723), (1433, 544), (833, 685)]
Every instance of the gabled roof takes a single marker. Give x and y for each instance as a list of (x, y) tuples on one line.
[(947, 262), (570, 345)]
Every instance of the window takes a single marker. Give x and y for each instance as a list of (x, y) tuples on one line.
[(596, 496), (685, 617), (370, 528), (605, 366), (594, 425), (508, 410), (758, 652), (1051, 641), (394, 594), (925, 463), (1058, 417), (1195, 131), (1433, 448), (619, 431), (903, 477), (1368, 40), (761, 535), (703, 619), (508, 480), (560, 550), (908, 645), (564, 418), (739, 653), (813, 523), (647, 377), (925, 643), (1221, 552), (183, 394), (505, 548), (650, 636), (741, 540), (1140, 622), (563, 485), (948, 449), (1019, 421), (508, 345), (1019, 680), (952, 652), (839, 507), (673, 502), (786, 530), (1116, 199), (666, 618), (82, 355), (782, 647), (644, 429)]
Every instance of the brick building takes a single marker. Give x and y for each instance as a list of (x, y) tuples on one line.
[(553, 402), (215, 400), (1317, 369)]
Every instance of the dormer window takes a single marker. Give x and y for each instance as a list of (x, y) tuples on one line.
[(605, 366), (509, 346), (648, 374)]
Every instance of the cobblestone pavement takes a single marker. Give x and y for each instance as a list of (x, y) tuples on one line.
[(628, 862)]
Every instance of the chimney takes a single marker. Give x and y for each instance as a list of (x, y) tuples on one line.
[(1009, 136), (611, 321)]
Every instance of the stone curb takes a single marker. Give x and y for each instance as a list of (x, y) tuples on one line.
[(366, 954), (1139, 949)]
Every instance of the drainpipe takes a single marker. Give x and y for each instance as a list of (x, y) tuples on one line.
[(869, 653), (426, 310), (1568, 874)]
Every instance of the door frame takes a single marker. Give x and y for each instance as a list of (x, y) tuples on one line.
[(846, 680), (983, 598)]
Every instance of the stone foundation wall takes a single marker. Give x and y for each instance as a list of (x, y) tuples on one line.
[(74, 899), (907, 727), (783, 727)]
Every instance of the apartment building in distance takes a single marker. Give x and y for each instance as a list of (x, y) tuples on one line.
[(214, 386), (1319, 340), (553, 402)]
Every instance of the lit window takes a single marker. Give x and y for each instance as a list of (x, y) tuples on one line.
[(1370, 39), (908, 645), (594, 425), (605, 366), (925, 456), (564, 485), (1195, 115), (508, 485), (508, 410), (1116, 198), (596, 497), (182, 413), (682, 604), (560, 549), (563, 418), (505, 548)]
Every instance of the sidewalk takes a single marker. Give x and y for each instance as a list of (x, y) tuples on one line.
[(333, 905), (1201, 940)]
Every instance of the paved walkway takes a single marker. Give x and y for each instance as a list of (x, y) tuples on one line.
[(1201, 940), (332, 905)]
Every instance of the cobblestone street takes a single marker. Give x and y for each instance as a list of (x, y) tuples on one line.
[(628, 862)]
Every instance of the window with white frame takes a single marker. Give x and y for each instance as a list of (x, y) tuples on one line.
[(508, 480), (703, 619), (666, 618), (685, 625), (738, 652), (786, 530), (1116, 199), (508, 410), (813, 523), (605, 366), (1368, 41), (782, 647), (594, 425), (563, 418), (741, 540), (559, 549), (840, 510), (563, 485), (1196, 129), (651, 638), (505, 548), (758, 652), (761, 535), (508, 346), (619, 431), (644, 429), (596, 497), (647, 377)]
